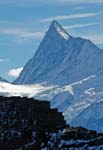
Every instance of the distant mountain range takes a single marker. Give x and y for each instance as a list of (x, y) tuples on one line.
[(3, 80), (68, 71)]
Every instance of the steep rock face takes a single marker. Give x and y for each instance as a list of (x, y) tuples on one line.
[(45, 59), (62, 59)]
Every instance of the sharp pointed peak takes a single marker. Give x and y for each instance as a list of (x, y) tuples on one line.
[(55, 24), (56, 27)]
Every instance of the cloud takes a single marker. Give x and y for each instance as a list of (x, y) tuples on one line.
[(20, 33), (32, 34), (81, 25), (74, 16), (80, 7), (4, 60), (15, 72)]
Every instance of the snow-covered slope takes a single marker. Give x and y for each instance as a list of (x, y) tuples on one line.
[(62, 59), (40, 91), (91, 117)]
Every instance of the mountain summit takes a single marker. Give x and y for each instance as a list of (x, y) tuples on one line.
[(55, 28), (62, 59)]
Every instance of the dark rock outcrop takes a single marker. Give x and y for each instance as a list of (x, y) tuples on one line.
[(30, 112), (28, 124)]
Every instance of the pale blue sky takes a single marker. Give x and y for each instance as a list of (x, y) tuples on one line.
[(24, 22)]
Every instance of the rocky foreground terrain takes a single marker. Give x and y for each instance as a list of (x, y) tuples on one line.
[(28, 124)]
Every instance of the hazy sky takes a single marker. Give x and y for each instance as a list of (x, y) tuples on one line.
[(23, 24)]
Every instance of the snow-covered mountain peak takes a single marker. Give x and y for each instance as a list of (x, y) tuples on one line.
[(62, 59), (56, 28), (55, 23)]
